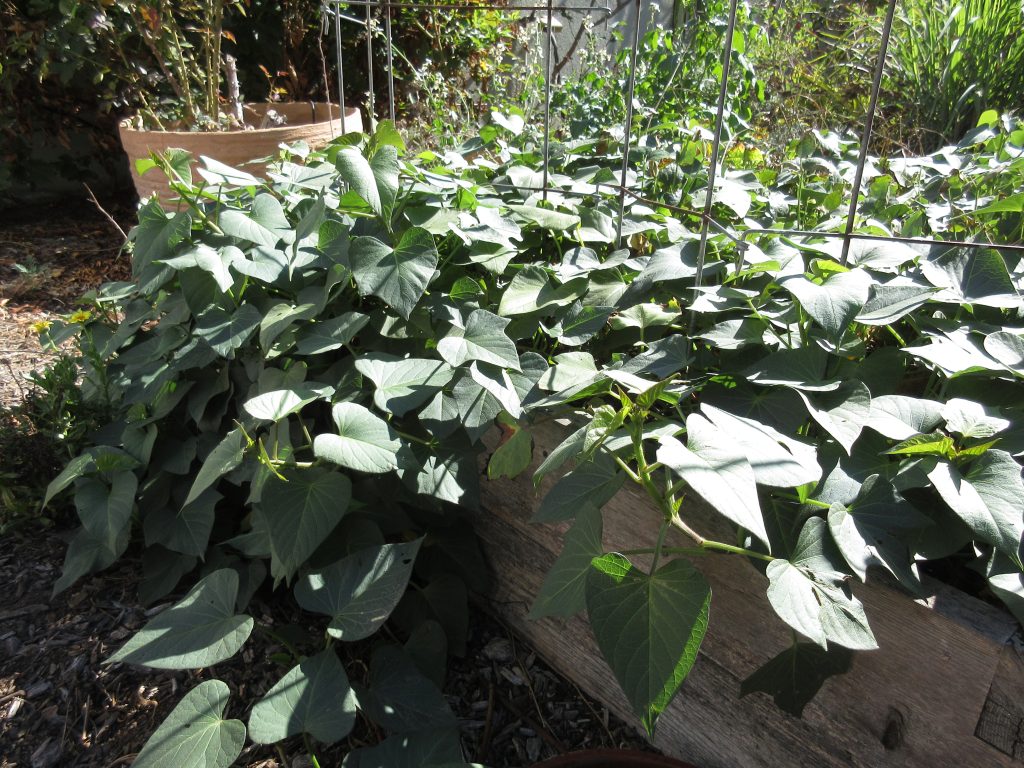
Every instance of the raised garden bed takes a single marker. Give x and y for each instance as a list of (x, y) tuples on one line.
[(943, 688)]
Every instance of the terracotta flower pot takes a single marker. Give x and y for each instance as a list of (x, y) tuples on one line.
[(612, 758), (305, 121)]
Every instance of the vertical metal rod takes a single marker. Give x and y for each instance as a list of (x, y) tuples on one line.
[(876, 85), (548, 45), (715, 144), (628, 125), (391, 70), (369, 66), (341, 68)]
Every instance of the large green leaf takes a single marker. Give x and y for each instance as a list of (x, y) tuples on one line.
[(226, 331), (546, 218), (87, 554), (158, 233), (264, 224), (835, 302), (564, 590), (355, 171), (202, 256), (867, 530), (900, 417), (482, 339), (972, 276), (278, 403), (104, 511), (364, 442), (400, 699), (328, 335), (195, 734), (476, 406), (513, 455), (776, 459), (359, 592), (987, 497), (531, 290), (592, 482), (808, 592), (579, 325), (200, 631), (970, 419), (384, 165), (888, 302), (300, 511), (713, 467), (649, 627), (398, 276), (403, 384), (227, 455), (796, 675), (186, 530), (842, 413), (313, 697), (74, 469)]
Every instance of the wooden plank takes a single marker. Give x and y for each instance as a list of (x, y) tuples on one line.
[(1002, 719), (922, 693)]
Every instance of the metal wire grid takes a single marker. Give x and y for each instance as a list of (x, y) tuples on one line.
[(708, 222)]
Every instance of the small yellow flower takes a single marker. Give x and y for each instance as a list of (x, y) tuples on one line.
[(80, 316), (41, 325)]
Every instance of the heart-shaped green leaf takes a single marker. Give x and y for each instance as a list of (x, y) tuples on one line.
[(195, 734), (104, 511), (592, 482), (199, 631), (807, 592), (364, 442), (400, 699), (482, 339), (226, 331), (313, 697), (987, 496), (355, 170), (564, 591), (403, 384), (359, 592), (398, 275), (299, 512), (649, 627)]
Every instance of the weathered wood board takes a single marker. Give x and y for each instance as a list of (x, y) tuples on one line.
[(946, 685)]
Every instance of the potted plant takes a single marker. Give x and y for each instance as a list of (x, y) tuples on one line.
[(198, 105)]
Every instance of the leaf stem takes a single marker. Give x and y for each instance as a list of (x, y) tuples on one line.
[(661, 542), (718, 546)]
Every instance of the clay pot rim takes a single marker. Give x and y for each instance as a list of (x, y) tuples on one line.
[(125, 126)]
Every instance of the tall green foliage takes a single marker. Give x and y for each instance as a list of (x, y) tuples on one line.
[(950, 60)]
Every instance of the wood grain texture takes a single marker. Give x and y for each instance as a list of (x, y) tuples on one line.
[(924, 690), (1002, 721), (305, 121)]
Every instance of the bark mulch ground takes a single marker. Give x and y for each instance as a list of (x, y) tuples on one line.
[(60, 705)]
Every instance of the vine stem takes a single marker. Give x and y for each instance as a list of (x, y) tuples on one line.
[(718, 546)]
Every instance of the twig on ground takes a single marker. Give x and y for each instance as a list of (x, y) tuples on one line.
[(110, 218)]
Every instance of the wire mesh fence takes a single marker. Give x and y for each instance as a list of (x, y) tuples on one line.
[(741, 239)]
